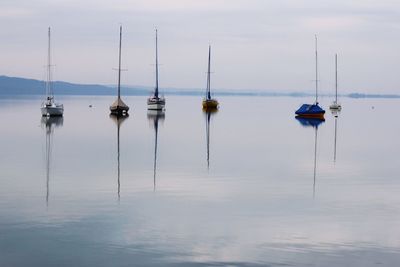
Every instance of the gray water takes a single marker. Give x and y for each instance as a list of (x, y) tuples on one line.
[(268, 191)]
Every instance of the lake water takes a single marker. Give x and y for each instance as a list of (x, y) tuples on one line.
[(258, 194)]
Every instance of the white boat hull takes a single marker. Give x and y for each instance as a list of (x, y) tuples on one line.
[(53, 110), (156, 104), (335, 106)]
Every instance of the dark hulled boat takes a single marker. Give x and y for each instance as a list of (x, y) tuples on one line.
[(310, 111), (118, 107), (209, 103)]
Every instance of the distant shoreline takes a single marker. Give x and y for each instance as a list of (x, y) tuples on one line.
[(14, 86)]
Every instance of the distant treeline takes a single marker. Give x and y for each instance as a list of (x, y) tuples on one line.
[(10, 86)]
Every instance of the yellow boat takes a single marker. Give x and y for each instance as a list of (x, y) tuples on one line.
[(208, 102)]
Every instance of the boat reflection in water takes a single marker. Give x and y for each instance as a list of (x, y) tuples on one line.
[(209, 113), (118, 119), (49, 124), (315, 123), (154, 116), (335, 113)]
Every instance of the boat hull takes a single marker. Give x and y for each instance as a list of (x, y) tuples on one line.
[(119, 111), (335, 106), (54, 110), (156, 104), (210, 104), (119, 108), (312, 116)]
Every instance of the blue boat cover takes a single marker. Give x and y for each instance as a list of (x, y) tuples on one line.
[(310, 109), (310, 122)]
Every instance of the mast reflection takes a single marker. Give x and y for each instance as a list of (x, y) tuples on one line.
[(118, 119), (335, 114), (208, 114), (155, 116), (49, 124), (314, 123)]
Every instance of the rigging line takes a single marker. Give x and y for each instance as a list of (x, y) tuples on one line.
[(316, 69), (119, 62), (156, 89)]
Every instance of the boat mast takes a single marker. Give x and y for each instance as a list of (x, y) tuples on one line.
[(336, 78), (119, 64), (316, 70), (49, 91), (156, 89), (208, 74)]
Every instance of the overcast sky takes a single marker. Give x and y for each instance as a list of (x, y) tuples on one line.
[(257, 44)]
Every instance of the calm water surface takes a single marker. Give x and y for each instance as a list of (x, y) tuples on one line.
[(247, 186)]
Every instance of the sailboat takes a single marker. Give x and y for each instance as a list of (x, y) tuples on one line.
[(119, 107), (118, 120), (335, 105), (49, 123), (156, 102), (49, 107), (154, 116), (208, 102), (312, 110)]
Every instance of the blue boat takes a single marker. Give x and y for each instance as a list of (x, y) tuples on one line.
[(312, 110)]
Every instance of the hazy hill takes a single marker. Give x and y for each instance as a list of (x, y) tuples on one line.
[(22, 86), (13, 86)]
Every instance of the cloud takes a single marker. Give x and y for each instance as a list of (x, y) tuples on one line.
[(15, 13), (264, 36)]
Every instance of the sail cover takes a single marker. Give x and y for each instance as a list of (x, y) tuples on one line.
[(310, 109), (118, 103)]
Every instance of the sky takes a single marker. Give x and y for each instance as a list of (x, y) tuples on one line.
[(263, 45)]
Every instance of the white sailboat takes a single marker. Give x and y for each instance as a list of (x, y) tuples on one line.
[(156, 102), (49, 107), (335, 106)]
